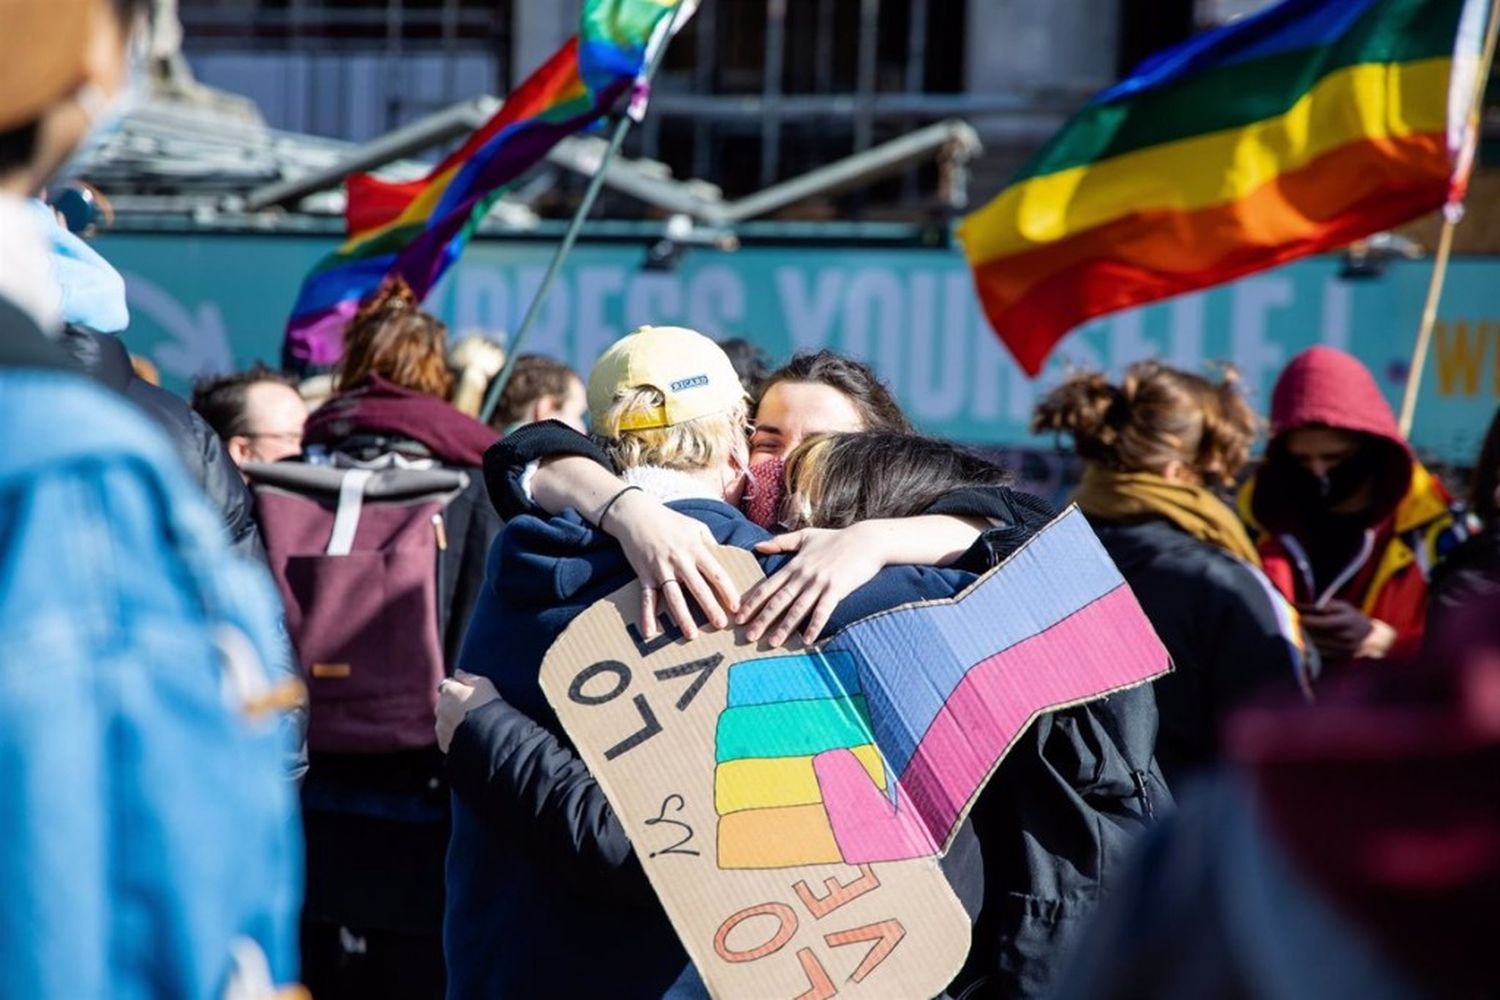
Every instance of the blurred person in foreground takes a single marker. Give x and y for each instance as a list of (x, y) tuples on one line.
[(1154, 448), (150, 845), (1471, 571), (1347, 849), (95, 316), (377, 819), (541, 389), (1349, 523), (257, 413)]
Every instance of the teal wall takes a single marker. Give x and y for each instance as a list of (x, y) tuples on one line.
[(211, 302)]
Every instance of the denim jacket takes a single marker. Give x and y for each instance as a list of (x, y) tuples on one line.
[(148, 838)]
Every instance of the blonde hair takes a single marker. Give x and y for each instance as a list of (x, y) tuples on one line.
[(474, 361), (705, 443), (1155, 416), (806, 477)]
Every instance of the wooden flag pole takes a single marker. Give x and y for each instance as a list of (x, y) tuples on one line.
[(590, 195), (1424, 332), (1445, 243)]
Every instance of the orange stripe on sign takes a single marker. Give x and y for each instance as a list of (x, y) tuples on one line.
[(777, 838), (1033, 298)]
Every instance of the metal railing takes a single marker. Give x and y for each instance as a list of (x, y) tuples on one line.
[(250, 22)]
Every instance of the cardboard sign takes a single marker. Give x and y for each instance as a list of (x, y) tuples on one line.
[(790, 806)]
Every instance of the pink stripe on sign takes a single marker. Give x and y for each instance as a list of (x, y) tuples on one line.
[(865, 826), (1103, 647), (1106, 646)]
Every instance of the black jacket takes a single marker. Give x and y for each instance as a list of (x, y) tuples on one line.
[(203, 454), (538, 861), (1058, 817), (1218, 618), (1470, 572)]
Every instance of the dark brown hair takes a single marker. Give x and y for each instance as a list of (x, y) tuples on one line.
[(534, 377), (221, 399), (838, 479), (393, 338), (750, 363), (1486, 480), (1154, 416), (877, 407)]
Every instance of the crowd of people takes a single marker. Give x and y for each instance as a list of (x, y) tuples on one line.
[(305, 618)]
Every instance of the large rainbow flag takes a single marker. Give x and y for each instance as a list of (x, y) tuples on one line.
[(415, 230), (1300, 129)]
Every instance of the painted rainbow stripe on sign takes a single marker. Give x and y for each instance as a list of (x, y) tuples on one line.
[(935, 694)]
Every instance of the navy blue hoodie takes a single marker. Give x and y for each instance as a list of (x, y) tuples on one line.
[(545, 897)]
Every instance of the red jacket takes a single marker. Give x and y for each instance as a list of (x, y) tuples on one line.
[(1411, 522)]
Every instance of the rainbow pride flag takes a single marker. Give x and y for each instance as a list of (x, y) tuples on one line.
[(1297, 130), (415, 230), (872, 746)]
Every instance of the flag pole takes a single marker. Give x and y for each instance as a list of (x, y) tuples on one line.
[(1445, 243), (590, 195), (1424, 331)]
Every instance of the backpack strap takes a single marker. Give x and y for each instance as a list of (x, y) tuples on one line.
[(346, 520)]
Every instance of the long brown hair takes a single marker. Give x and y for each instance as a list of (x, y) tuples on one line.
[(877, 407), (836, 480), (394, 338), (1155, 416)]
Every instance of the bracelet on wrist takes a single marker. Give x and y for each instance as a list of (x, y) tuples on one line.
[(612, 501)]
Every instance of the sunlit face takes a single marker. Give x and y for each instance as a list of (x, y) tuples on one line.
[(791, 411), (571, 407), (1320, 449), (276, 415)]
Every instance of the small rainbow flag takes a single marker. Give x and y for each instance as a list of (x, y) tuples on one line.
[(415, 230), (1297, 130)]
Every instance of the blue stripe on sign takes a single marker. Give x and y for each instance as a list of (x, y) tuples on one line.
[(923, 653), (795, 677)]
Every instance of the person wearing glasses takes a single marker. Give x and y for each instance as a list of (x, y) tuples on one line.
[(257, 413)]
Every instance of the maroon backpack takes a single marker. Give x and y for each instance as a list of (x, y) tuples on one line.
[(356, 555)]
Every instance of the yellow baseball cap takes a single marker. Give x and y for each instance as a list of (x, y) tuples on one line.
[(42, 52), (692, 373)]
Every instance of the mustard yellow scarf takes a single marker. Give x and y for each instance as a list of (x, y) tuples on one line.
[(1132, 496)]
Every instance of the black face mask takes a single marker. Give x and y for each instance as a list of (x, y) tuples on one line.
[(1323, 493)]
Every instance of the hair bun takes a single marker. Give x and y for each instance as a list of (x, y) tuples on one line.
[(394, 296), (1090, 410)]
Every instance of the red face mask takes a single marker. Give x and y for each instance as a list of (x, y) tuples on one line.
[(764, 491)]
